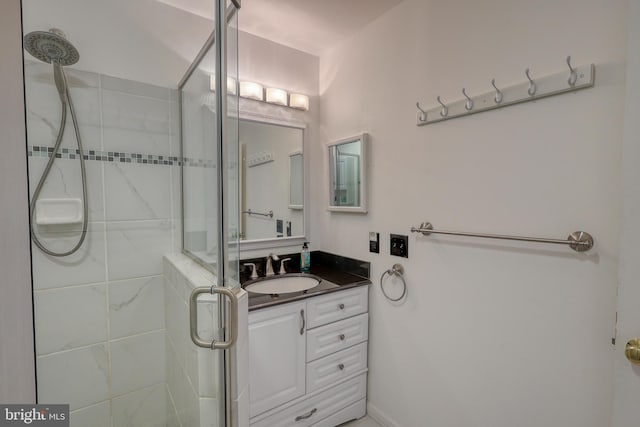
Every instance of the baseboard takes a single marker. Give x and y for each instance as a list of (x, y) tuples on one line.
[(379, 417)]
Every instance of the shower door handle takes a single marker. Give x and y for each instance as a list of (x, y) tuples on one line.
[(232, 327)]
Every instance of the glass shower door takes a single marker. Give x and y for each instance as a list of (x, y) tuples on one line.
[(111, 318), (209, 140)]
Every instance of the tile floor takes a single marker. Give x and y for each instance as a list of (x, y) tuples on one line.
[(362, 422)]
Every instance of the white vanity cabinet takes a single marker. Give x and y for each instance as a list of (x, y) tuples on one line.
[(276, 356), (308, 361)]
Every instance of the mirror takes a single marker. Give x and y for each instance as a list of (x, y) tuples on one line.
[(347, 174), (272, 183), (296, 180)]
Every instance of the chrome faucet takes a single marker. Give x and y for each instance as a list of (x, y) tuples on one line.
[(269, 265)]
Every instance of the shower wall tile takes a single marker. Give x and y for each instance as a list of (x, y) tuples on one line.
[(209, 411), (176, 190), (135, 141), (195, 212), (65, 181), (137, 192), (135, 124), (78, 377), (95, 416), (101, 313), (70, 317), (142, 408), (177, 236), (137, 88), (135, 248), (184, 395), (137, 362), (39, 72), (136, 306), (175, 125), (44, 111), (87, 265), (177, 321)]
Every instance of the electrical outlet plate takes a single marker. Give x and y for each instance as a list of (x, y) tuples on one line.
[(399, 245)]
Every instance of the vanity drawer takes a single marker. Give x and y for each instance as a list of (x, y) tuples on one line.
[(336, 306), (351, 412), (337, 336), (319, 407), (333, 368)]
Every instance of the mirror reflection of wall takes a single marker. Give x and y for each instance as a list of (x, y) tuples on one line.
[(272, 171), (347, 178), (346, 174), (296, 180)]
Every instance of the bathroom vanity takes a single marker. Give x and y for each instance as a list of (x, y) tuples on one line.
[(308, 350)]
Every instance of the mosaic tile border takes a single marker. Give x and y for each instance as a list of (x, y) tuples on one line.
[(119, 157)]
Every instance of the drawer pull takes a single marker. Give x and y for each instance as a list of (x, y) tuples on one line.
[(342, 337), (306, 416), (341, 366), (341, 306), (304, 322)]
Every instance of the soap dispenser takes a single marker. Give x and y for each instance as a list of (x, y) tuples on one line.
[(305, 258)]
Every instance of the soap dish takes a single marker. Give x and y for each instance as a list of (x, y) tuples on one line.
[(58, 211)]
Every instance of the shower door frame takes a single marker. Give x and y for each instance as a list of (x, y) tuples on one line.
[(218, 38)]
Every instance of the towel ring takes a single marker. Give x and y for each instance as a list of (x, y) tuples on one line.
[(396, 270)]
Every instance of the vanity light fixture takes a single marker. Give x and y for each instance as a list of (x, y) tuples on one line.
[(232, 85), (257, 92), (251, 90), (299, 101), (276, 96)]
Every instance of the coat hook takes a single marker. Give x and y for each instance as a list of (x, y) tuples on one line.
[(445, 110), (423, 114), (573, 77), (498, 97), (469, 104), (532, 84)]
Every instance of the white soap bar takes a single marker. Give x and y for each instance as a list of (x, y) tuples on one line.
[(58, 211)]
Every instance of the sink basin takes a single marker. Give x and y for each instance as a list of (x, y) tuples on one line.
[(282, 284)]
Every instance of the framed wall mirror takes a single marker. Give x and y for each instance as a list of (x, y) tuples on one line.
[(272, 182), (347, 174)]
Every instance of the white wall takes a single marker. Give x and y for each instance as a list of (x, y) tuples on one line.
[(628, 376), (17, 368), (273, 64), (491, 333)]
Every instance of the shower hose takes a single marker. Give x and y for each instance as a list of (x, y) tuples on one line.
[(65, 99)]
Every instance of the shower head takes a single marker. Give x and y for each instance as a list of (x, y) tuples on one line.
[(51, 47)]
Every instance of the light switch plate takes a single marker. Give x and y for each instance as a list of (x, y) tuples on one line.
[(374, 242)]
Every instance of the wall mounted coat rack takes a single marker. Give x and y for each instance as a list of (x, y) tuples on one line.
[(571, 80)]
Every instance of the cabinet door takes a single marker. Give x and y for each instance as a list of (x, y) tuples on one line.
[(276, 356)]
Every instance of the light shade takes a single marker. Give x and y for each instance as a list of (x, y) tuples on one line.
[(212, 82), (232, 86), (251, 90), (300, 101), (276, 96)]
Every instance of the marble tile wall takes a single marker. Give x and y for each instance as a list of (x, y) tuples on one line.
[(101, 339), (192, 376)]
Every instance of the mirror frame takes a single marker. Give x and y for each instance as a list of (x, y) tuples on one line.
[(247, 246), (363, 138)]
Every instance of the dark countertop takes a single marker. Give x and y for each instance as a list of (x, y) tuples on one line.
[(337, 273)]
